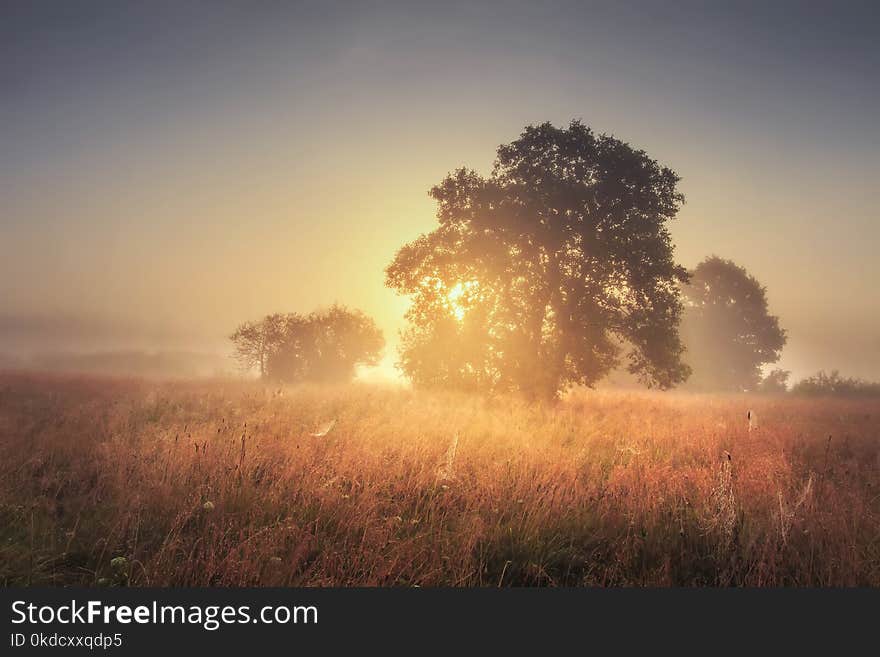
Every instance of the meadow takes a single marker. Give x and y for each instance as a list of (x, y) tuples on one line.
[(112, 482)]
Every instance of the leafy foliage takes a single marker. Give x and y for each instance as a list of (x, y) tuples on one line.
[(835, 385), (322, 346), (547, 272), (728, 330), (254, 342), (776, 381)]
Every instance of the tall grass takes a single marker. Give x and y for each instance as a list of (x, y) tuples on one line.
[(126, 482)]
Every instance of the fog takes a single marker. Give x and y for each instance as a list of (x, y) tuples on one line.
[(167, 174)]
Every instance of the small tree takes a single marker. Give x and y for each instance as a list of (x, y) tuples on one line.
[(255, 342), (727, 329), (322, 346), (326, 346), (776, 382), (288, 361)]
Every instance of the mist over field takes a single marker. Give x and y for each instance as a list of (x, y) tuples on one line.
[(169, 171)]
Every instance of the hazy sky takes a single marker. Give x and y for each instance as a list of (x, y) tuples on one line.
[(167, 170)]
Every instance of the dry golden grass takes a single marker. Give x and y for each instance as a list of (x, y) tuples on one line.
[(223, 483)]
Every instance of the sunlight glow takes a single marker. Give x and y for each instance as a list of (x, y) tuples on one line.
[(458, 298)]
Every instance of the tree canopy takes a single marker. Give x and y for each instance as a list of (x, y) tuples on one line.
[(549, 272), (774, 382), (324, 346), (728, 330)]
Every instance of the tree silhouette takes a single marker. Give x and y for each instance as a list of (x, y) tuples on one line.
[(324, 346), (547, 272), (727, 329), (834, 384), (775, 382), (254, 342)]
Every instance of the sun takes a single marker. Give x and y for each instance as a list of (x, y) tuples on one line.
[(458, 298), (455, 298)]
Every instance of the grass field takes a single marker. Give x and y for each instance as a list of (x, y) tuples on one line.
[(113, 482)]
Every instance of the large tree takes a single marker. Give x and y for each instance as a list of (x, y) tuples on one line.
[(548, 272), (325, 346), (727, 327)]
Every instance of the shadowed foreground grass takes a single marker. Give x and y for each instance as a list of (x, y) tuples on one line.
[(112, 482)]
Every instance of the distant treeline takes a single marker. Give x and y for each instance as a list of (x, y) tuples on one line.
[(835, 385), (821, 384), (159, 364)]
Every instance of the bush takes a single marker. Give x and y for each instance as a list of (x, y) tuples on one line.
[(835, 385)]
